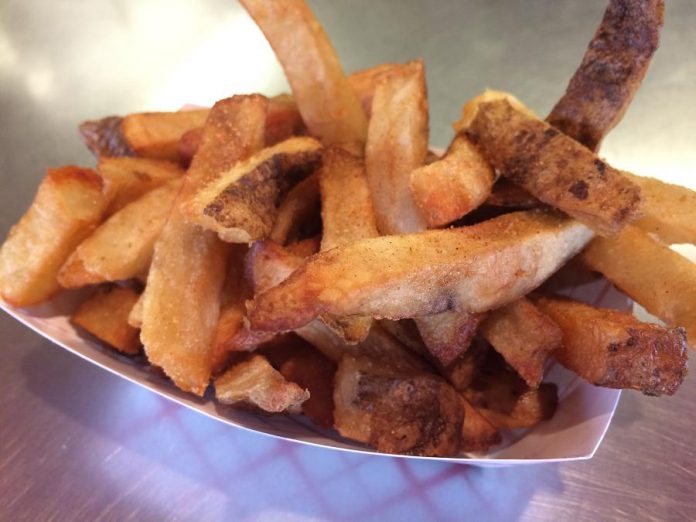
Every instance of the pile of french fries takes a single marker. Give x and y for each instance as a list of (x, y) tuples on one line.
[(307, 253)]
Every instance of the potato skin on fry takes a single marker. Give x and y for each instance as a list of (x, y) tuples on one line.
[(554, 168), (471, 269), (613, 349), (611, 71)]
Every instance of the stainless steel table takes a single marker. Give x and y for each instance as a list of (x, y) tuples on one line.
[(78, 443)]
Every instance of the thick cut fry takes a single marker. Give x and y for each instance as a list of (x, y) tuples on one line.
[(669, 211), (471, 107), (524, 336), (104, 138), (448, 334), (508, 195), (651, 274), (470, 269), (554, 168), (613, 349), (182, 297), (454, 185), (255, 382), (477, 433), (611, 71), (301, 204), (347, 216), (395, 411), (121, 247), (397, 143), (324, 97), (504, 399), (127, 179), (157, 134), (241, 204), (68, 205), (299, 362), (105, 315)]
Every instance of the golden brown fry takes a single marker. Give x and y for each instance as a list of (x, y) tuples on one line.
[(470, 269), (255, 382), (397, 143), (104, 138), (471, 107), (156, 134), (669, 211), (105, 315), (241, 204), (447, 335), (524, 336), (182, 297), (301, 204), (504, 399), (613, 349), (651, 274), (396, 411), (127, 179), (454, 185), (68, 205), (347, 216), (555, 168), (477, 433), (121, 247), (611, 71), (328, 105)]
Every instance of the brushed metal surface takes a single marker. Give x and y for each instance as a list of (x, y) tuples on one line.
[(78, 443)]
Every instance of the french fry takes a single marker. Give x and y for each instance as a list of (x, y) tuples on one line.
[(68, 205), (347, 216), (613, 349), (471, 269), (302, 203), (524, 336), (611, 71), (669, 211), (182, 297), (105, 315), (651, 274), (471, 107), (256, 383), (554, 168), (448, 334), (127, 179), (508, 195), (477, 433), (363, 83), (104, 138), (135, 317), (241, 204), (328, 105), (406, 332), (121, 247), (397, 143), (454, 185)]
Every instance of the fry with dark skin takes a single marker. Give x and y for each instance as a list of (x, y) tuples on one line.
[(611, 71), (613, 349)]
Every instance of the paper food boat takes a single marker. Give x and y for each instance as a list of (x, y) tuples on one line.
[(575, 432)]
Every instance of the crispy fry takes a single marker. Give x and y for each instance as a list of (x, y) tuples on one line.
[(302, 203), (156, 134), (477, 433), (396, 411), (651, 274), (504, 399), (182, 297), (554, 168), (328, 105), (611, 71), (524, 336), (470, 269), (448, 334), (240, 205), (127, 179), (472, 106), (397, 143), (256, 383), (104, 138), (105, 315), (122, 246), (347, 216), (454, 185), (508, 195), (68, 205), (613, 349), (669, 211)]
